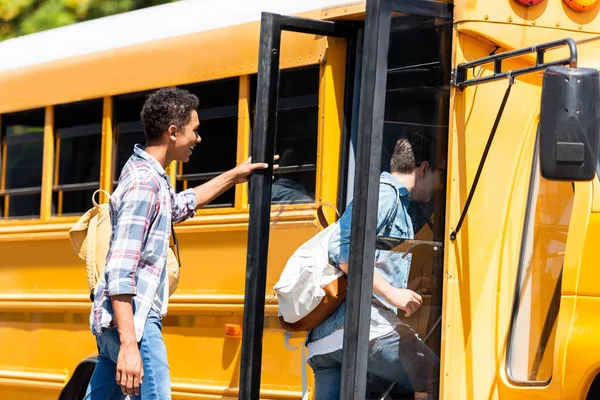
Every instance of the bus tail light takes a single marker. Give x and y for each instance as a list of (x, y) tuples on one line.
[(581, 5)]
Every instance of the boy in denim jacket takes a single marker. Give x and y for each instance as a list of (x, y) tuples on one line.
[(396, 354)]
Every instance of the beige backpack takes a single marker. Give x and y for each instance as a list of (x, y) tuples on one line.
[(90, 237)]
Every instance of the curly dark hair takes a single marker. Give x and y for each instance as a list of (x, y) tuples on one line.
[(166, 107)]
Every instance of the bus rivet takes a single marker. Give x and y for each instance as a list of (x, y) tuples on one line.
[(509, 19), (486, 17)]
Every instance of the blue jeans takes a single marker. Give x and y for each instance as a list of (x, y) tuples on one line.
[(400, 356), (156, 384)]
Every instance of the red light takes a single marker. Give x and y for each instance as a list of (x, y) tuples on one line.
[(528, 3)]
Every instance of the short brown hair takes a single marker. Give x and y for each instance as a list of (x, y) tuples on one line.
[(412, 148)]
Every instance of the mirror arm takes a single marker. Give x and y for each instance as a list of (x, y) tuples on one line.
[(463, 214)]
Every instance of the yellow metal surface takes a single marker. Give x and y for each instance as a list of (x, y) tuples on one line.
[(243, 145), (59, 207), (56, 173), (553, 14), (482, 254), (172, 172), (3, 175), (3, 165), (482, 264), (41, 85), (39, 311), (106, 155), (331, 105), (47, 312), (43, 291), (47, 165)]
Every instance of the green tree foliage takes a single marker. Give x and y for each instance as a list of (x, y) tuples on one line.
[(21, 17)]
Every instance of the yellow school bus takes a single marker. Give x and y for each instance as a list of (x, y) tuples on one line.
[(509, 291)]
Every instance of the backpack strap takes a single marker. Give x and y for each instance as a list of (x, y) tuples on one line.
[(392, 215), (176, 244), (90, 258), (94, 196), (321, 214), (286, 341)]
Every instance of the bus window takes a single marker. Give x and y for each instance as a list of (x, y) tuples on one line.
[(78, 130), (218, 114), (22, 148), (128, 129), (416, 105), (296, 136), (537, 297)]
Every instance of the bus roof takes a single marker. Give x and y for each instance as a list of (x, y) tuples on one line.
[(142, 26)]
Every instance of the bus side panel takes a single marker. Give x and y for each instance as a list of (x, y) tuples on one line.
[(44, 314)]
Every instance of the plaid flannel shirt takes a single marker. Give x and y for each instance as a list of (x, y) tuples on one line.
[(141, 211)]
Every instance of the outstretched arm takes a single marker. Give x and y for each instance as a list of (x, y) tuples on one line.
[(212, 189)]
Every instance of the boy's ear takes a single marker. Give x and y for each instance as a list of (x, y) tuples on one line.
[(172, 132), (424, 167)]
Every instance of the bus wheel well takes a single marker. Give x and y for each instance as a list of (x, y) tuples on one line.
[(594, 392), (76, 387)]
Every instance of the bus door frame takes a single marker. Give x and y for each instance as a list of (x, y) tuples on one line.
[(263, 147), (371, 114), (371, 89)]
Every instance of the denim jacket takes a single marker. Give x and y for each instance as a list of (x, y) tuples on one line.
[(392, 220)]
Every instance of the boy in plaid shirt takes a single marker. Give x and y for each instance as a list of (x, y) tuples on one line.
[(133, 294)]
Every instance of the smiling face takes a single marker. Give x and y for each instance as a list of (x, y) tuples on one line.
[(183, 141)]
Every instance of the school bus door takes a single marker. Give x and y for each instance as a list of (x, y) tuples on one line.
[(369, 95)]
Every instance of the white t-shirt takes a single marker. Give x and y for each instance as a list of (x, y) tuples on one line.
[(383, 321)]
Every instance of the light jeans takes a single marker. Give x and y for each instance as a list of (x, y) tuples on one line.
[(156, 384), (399, 356)]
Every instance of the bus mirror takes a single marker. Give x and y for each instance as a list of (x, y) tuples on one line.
[(569, 124)]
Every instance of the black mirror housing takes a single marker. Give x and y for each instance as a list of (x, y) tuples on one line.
[(569, 130)]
